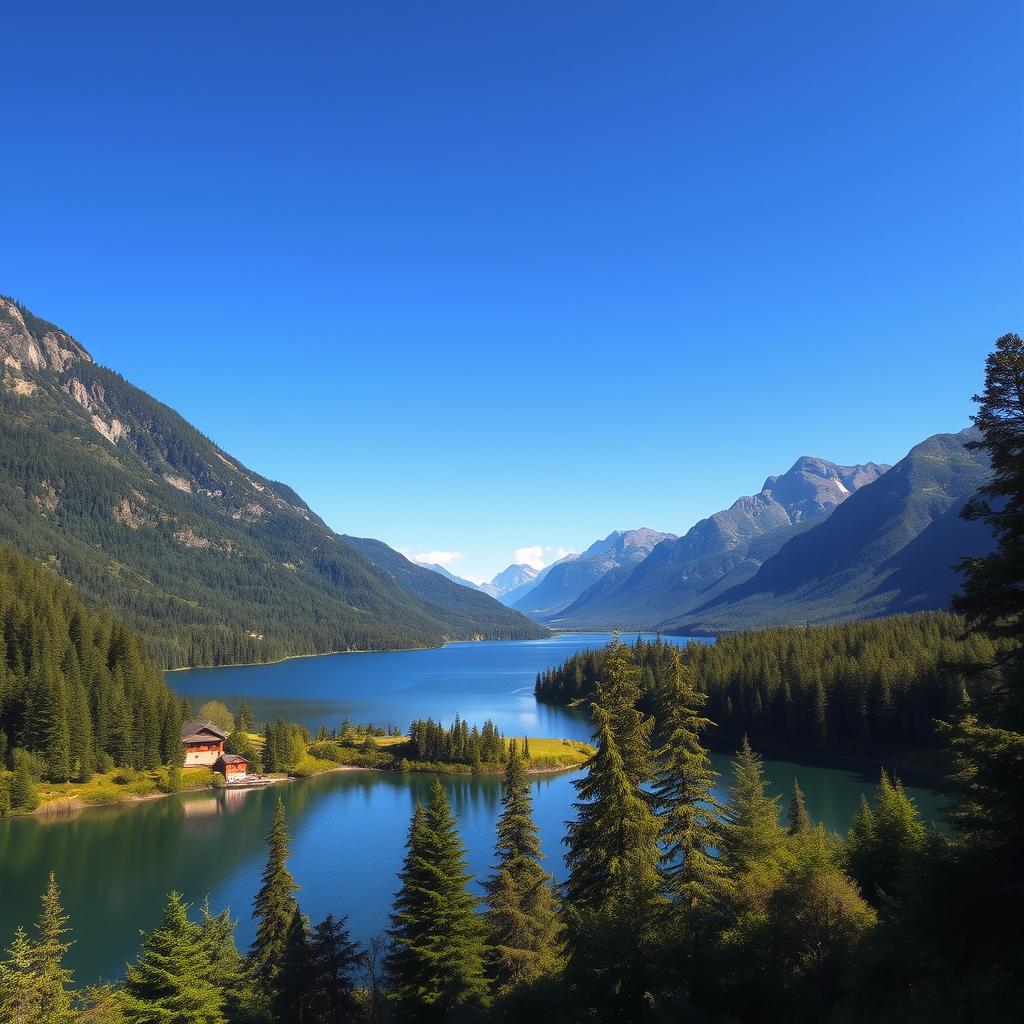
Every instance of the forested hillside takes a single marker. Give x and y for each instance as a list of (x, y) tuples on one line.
[(856, 687), (75, 686), (209, 561)]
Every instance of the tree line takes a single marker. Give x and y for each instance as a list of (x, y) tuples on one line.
[(77, 693), (854, 687), (458, 744)]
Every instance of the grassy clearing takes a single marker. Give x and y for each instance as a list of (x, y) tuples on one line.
[(122, 785)]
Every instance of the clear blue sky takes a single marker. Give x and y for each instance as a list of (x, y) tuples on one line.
[(479, 276)]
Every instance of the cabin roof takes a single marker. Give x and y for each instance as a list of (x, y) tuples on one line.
[(234, 759), (192, 732)]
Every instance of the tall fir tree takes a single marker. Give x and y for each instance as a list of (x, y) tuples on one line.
[(48, 953), (335, 963), (437, 964), (612, 897), (294, 982), (751, 818), (988, 740), (799, 820), (274, 905), (524, 932), (170, 982), (20, 996), (684, 790)]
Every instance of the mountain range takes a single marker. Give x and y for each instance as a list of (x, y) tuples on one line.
[(210, 561), (891, 547), (722, 550), (564, 581)]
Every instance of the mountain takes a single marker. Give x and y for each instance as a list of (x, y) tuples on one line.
[(566, 580), (451, 577), (517, 578), (889, 548), (718, 552), (457, 603), (211, 562)]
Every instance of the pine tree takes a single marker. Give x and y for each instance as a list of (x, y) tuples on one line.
[(988, 739), (335, 960), (612, 894), (799, 821), (752, 832), (274, 906), (47, 958), (245, 721), (170, 983), (229, 970), (20, 997), (684, 791), (294, 980), (437, 962), (884, 840), (523, 928), (23, 788)]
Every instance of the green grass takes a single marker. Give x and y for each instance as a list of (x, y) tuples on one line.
[(121, 785)]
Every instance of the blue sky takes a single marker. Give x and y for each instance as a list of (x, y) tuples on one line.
[(475, 277)]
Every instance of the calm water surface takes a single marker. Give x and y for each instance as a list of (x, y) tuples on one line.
[(115, 865)]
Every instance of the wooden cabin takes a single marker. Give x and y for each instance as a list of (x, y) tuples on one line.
[(232, 766), (203, 742)]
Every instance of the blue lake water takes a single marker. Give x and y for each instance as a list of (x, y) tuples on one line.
[(115, 865)]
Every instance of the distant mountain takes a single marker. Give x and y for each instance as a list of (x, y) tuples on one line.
[(459, 604), (208, 560), (566, 580), (442, 571), (889, 548), (516, 577), (718, 552)]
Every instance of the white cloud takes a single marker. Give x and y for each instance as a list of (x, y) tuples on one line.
[(539, 555), (532, 556), (437, 557)]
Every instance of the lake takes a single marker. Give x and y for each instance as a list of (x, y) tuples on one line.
[(115, 865)]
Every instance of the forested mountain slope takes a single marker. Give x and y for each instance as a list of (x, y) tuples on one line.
[(719, 551), (75, 686), (210, 561), (461, 606), (889, 548)]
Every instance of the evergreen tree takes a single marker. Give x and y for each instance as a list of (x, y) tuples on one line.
[(884, 840), (437, 961), (20, 996), (612, 894), (684, 791), (751, 817), (229, 970), (274, 905), (335, 961), (47, 958), (23, 788), (170, 982), (295, 979), (245, 720), (522, 920), (799, 821), (988, 740)]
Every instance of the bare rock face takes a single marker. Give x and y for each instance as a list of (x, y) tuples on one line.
[(33, 344)]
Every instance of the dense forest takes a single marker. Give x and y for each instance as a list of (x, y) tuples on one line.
[(855, 687), (77, 693)]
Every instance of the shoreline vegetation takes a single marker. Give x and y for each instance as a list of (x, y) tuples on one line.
[(125, 786)]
